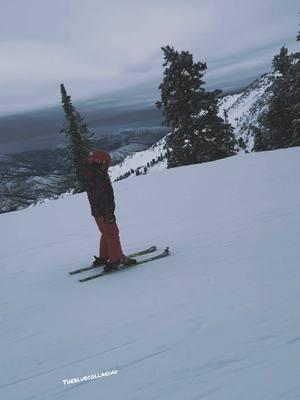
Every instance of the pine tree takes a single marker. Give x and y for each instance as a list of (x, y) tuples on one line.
[(282, 62), (80, 142), (198, 134), (280, 124), (294, 98)]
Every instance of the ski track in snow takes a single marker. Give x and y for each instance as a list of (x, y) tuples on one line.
[(217, 319)]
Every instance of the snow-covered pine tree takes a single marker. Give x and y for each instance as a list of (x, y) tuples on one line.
[(198, 134), (80, 142)]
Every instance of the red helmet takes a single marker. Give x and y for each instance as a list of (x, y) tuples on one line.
[(100, 157)]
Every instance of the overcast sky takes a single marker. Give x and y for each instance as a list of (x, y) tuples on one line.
[(97, 46)]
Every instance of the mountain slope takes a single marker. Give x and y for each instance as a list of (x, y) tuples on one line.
[(137, 162), (243, 110), (218, 319)]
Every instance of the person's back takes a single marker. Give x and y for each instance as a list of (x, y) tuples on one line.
[(99, 190), (101, 197)]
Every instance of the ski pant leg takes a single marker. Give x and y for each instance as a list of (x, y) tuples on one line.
[(110, 245), (103, 248)]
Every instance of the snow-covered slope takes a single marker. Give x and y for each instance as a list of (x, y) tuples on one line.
[(138, 161), (218, 319), (243, 110), (122, 152)]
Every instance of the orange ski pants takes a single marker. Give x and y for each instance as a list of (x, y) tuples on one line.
[(110, 245)]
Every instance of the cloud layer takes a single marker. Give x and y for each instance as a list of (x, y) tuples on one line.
[(95, 46)]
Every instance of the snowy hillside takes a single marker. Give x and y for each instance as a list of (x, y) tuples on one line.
[(138, 161), (218, 319), (243, 109)]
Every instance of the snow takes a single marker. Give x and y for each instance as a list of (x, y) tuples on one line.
[(227, 102), (139, 160), (123, 151), (218, 319), (243, 109)]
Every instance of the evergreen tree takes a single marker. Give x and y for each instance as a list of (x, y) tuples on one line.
[(216, 139), (282, 62), (80, 142), (198, 134), (280, 124), (294, 98)]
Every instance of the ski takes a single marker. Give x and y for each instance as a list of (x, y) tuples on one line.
[(137, 254), (165, 253)]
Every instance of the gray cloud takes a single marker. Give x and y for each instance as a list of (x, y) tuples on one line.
[(96, 46)]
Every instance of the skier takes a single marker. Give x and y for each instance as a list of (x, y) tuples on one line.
[(101, 197)]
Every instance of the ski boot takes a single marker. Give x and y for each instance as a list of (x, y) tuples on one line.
[(113, 266), (99, 261)]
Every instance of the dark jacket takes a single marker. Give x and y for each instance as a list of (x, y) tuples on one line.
[(99, 190)]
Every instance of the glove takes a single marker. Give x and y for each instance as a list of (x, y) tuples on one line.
[(110, 218)]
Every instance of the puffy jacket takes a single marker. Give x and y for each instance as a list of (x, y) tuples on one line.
[(99, 190)]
